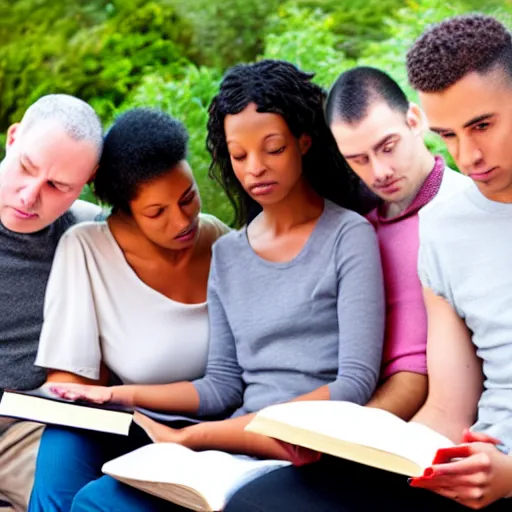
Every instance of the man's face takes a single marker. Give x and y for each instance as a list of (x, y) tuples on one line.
[(474, 118), (382, 149), (43, 173)]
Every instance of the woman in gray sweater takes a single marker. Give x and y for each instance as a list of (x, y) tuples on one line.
[(295, 297)]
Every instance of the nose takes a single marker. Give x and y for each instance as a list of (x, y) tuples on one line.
[(30, 193), (381, 171), (182, 219), (469, 155), (255, 166)]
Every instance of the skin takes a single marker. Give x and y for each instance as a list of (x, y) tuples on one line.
[(474, 117), (150, 239), (262, 149), (386, 150), (43, 173), (386, 147)]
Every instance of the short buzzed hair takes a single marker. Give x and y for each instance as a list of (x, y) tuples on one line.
[(78, 119), (356, 89), (455, 47)]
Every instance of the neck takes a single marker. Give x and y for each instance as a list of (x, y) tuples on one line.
[(133, 241), (302, 205), (425, 165)]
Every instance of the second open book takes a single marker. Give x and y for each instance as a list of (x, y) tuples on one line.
[(361, 434)]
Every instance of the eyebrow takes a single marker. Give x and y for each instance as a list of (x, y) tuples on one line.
[(181, 197), (475, 120), (376, 147), (228, 141)]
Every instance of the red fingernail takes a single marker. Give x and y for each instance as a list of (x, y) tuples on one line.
[(428, 472)]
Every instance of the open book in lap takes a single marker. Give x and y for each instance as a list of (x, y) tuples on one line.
[(202, 481), (362, 434)]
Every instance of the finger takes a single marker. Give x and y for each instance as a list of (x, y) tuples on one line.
[(475, 480), (444, 455), (479, 462), (478, 437)]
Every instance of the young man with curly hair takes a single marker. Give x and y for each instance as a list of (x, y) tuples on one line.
[(462, 69)]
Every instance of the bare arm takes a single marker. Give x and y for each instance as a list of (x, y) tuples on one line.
[(455, 371), (402, 394)]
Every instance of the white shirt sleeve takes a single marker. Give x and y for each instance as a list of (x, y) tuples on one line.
[(69, 338)]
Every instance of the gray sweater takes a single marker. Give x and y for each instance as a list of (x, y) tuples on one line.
[(465, 256), (280, 330), (25, 263)]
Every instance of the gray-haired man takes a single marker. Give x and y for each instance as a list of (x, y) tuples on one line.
[(50, 155)]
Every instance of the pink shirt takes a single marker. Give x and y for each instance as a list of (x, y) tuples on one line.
[(406, 319)]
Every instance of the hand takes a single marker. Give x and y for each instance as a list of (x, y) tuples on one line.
[(482, 476), (74, 392), (157, 432), (298, 455)]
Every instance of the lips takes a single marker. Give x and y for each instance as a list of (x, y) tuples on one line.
[(263, 188), (188, 234), (24, 215), (482, 176)]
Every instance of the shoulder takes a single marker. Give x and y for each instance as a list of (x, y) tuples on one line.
[(86, 234), (342, 223), (451, 183), (83, 211), (214, 227)]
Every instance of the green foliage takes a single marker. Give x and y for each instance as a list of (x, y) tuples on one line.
[(304, 36), (100, 62), (228, 31)]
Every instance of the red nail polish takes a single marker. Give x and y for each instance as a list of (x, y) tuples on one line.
[(428, 472)]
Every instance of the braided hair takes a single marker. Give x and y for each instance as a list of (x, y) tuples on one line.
[(278, 87)]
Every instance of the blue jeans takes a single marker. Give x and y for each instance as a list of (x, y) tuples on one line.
[(69, 459)]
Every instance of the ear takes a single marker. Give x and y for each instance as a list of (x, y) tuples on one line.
[(91, 179), (12, 132), (304, 143), (416, 119)]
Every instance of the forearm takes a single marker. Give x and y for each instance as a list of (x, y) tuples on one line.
[(402, 394), (230, 436), (440, 420), (178, 397)]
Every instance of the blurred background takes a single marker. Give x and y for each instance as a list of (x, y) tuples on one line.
[(171, 53)]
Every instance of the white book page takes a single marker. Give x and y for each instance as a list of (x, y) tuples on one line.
[(214, 474)]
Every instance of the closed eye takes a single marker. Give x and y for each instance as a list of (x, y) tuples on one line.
[(277, 151)]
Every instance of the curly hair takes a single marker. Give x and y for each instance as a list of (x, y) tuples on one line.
[(281, 88), (455, 47), (142, 145), (356, 89)]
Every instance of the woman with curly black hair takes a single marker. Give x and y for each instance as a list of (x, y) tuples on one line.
[(295, 296)]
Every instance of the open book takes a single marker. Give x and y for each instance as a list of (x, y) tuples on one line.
[(201, 481), (42, 406), (361, 434)]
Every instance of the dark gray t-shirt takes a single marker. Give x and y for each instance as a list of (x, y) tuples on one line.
[(25, 263), (280, 330)]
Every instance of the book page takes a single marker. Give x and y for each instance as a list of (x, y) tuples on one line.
[(213, 474)]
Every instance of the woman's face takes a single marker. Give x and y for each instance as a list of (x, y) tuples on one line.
[(266, 157), (166, 209)]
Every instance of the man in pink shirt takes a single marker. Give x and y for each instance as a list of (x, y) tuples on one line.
[(380, 134)]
